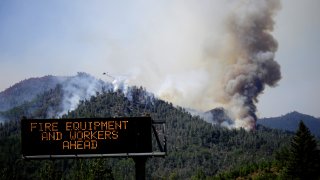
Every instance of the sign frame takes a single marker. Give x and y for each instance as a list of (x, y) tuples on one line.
[(136, 133)]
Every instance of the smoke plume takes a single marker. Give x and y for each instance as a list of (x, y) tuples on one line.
[(201, 54), (252, 49), (196, 54), (83, 86), (80, 87)]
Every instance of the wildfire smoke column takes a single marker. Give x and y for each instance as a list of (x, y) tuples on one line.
[(250, 52)]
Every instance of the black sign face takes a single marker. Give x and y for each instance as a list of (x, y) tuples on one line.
[(86, 136)]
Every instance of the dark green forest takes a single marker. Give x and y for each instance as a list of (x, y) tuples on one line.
[(196, 149)]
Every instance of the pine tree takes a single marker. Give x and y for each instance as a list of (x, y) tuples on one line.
[(303, 156)]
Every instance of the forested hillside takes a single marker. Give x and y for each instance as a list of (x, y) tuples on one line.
[(27, 90), (45, 105), (194, 146), (72, 89)]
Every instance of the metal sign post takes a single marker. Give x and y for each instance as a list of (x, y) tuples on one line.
[(140, 161), (140, 165)]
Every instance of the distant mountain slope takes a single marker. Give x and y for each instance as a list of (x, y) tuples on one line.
[(73, 89), (27, 90), (219, 116), (291, 121), (44, 105)]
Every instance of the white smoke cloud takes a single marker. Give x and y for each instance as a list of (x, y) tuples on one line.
[(80, 87), (173, 49), (120, 83), (83, 86), (203, 54)]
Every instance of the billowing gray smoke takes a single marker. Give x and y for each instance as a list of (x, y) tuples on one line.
[(203, 54), (251, 62)]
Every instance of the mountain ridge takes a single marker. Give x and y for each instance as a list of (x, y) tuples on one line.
[(26, 90), (290, 122), (73, 89)]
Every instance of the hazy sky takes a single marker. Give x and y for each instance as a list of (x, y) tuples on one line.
[(154, 44)]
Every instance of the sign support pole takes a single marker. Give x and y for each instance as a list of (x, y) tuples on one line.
[(140, 165)]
